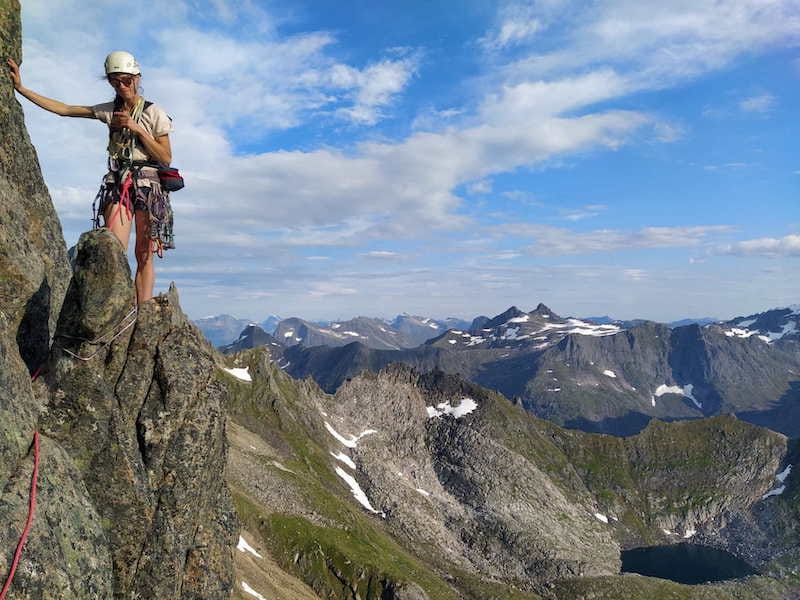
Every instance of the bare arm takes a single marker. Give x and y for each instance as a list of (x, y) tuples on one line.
[(54, 106)]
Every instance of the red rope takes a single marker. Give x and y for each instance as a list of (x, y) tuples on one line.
[(31, 508), (124, 201)]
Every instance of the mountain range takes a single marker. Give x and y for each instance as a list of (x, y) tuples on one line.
[(404, 331), (601, 377)]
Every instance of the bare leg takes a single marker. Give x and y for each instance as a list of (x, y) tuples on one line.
[(119, 223), (145, 268)]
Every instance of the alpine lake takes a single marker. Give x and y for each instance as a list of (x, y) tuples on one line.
[(690, 564)]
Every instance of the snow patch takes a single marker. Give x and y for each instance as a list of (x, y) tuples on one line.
[(282, 467), (740, 332), (356, 490), (601, 517), (790, 327), (522, 319), (240, 373), (251, 591), (689, 533), (610, 373), (776, 492), (243, 546), (345, 459), (451, 341), (464, 407), (289, 333), (350, 442), (423, 492), (681, 391), (781, 477)]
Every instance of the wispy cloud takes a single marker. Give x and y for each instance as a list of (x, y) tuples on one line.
[(385, 255), (584, 212), (770, 247), (762, 103), (372, 88), (659, 43), (556, 241), (484, 186), (730, 165)]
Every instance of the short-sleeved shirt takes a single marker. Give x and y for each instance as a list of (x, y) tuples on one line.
[(153, 119)]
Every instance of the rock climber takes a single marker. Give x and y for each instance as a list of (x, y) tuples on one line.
[(138, 145)]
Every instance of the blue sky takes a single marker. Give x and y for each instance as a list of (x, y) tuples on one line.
[(635, 159)]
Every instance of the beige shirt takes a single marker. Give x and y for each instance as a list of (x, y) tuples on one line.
[(155, 121)]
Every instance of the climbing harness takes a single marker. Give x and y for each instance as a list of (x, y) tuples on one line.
[(126, 323), (31, 507), (136, 185)]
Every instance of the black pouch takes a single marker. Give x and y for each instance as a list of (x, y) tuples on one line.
[(170, 178)]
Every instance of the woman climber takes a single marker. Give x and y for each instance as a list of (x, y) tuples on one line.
[(138, 145)]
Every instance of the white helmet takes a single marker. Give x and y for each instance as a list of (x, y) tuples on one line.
[(122, 62)]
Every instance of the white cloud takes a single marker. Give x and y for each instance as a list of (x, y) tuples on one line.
[(763, 103), (635, 274), (484, 186), (555, 241), (770, 247), (730, 165), (659, 43), (584, 212), (519, 23), (382, 255), (373, 87)]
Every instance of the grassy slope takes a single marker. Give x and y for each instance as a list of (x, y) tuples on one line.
[(352, 553)]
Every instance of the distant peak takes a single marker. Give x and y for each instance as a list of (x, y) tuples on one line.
[(511, 312)]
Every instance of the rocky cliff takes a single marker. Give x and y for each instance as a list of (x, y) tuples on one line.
[(131, 498)]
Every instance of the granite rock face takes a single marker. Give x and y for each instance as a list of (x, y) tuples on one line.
[(66, 555), (145, 427)]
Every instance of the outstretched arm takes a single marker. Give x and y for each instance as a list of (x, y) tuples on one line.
[(54, 106)]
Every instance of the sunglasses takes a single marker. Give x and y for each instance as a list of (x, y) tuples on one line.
[(125, 80)]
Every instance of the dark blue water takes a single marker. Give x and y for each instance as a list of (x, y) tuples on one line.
[(685, 563)]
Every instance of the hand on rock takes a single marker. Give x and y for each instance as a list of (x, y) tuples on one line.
[(13, 70)]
